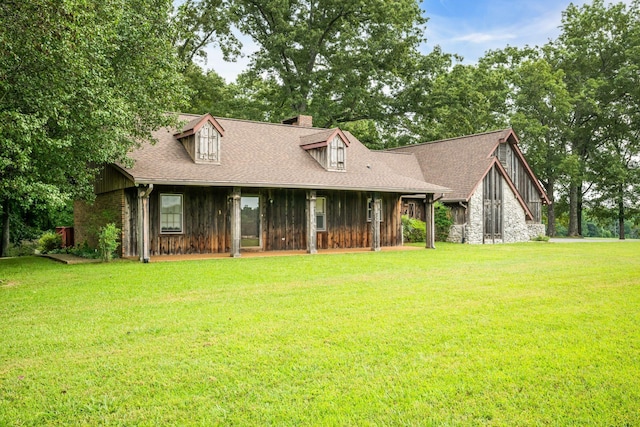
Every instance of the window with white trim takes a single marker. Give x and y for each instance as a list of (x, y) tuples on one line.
[(207, 143), (171, 209), (321, 214), (370, 210)]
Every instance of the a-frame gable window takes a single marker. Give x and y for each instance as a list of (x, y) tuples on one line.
[(207, 143), (521, 179)]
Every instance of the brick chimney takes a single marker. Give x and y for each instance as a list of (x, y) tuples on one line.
[(302, 121)]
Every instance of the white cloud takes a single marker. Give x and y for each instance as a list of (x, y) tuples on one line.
[(480, 38)]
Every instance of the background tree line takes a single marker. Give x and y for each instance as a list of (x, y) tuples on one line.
[(82, 83)]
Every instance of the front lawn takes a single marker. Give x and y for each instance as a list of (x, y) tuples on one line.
[(525, 334)]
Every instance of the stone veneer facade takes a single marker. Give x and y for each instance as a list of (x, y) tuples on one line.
[(515, 226)]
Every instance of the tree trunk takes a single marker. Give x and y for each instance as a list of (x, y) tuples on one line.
[(580, 197), (551, 209), (4, 244), (573, 210), (621, 213)]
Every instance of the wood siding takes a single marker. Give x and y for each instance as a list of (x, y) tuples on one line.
[(205, 223), (207, 229), (110, 179), (347, 225), (521, 179)]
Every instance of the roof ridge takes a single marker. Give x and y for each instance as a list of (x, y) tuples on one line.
[(271, 123), (450, 139)]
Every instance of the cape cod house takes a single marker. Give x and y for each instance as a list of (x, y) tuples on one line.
[(227, 186), (495, 195)]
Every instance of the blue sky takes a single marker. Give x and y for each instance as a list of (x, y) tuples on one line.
[(466, 27)]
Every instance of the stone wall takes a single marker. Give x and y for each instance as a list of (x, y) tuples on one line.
[(456, 233), (515, 226), (536, 230), (514, 223), (89, 217), (475, 217)]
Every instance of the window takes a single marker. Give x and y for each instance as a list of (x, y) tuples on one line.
[(207, 142), (337, 154), (492, 190), (170, 213), (321, 214), (370, 210)]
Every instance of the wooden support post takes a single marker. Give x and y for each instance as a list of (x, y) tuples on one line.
[(144, 223), (430, 222), (235, 222), (375, 222), (312, 233)]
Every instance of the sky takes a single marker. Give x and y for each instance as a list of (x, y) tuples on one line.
[(466, 27)]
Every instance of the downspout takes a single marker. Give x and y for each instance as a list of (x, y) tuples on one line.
[(144, 223)]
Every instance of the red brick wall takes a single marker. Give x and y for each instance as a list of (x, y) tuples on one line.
[(88, 218)]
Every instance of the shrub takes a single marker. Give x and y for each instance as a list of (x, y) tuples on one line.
[(84, 251), (24, 248), (540, 238), (108, 241), (443, 221), (413, 230), (49, 242)]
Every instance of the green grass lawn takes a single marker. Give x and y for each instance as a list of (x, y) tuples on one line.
[(526, 334)]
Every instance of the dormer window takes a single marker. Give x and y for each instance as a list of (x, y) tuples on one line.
[(201, 138), (337, 154), (329, 148), (208, 143)]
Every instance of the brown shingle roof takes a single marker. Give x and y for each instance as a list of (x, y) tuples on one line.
[(256, 154), (457, 163)]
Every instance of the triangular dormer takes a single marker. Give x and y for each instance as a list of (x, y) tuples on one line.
[(201, 138), (329, 148)]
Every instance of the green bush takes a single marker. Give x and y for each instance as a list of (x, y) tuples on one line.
[(540, 238), (85, 251), (443, 221), (24, 248), (413, 230), (49, 242), (108, 241)]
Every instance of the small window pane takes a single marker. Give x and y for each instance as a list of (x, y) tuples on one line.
[(171, 213), (321, 214)]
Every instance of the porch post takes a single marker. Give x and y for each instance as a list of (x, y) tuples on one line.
[(144, 224), (375, 222), (312, 235), (430, 222), (235, 222)]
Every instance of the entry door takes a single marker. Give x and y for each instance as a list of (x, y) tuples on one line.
[(250, 222)]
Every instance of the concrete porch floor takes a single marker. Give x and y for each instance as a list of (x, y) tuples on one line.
[(252, 254)]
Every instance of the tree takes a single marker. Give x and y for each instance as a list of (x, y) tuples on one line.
[(200, 23), (464, 100), (338, 61), (540, 106), (593, 49), (80, 85)]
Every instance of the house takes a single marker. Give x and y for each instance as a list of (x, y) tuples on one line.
[(221, 185), (495, 195)]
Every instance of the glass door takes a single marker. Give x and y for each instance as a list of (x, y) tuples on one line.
[(250, 222)]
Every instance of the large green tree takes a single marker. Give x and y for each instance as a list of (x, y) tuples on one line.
[(338, 61), (594, 51), (81, 83)]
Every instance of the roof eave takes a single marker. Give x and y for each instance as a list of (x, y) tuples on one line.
[(427, 190)]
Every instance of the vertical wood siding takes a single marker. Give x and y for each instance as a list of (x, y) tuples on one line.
[(206, 220)]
